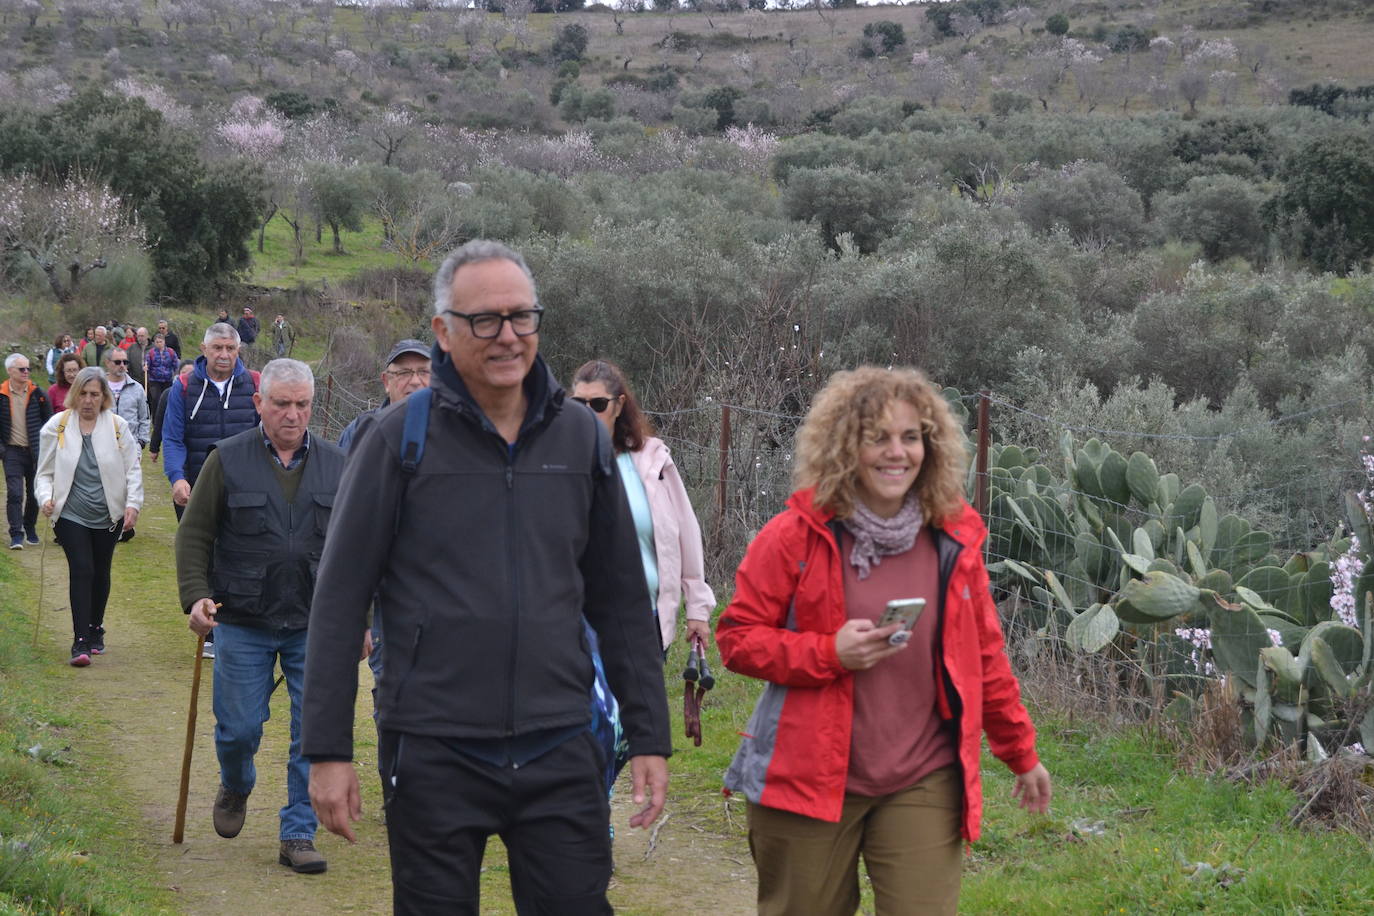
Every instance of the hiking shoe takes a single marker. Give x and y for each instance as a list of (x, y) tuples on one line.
[(97, 640), (81, 654), (230, 809), (301, 857), (31, 536), (208, 651), (17, 542)]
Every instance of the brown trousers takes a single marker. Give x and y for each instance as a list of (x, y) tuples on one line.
[(910, 841)]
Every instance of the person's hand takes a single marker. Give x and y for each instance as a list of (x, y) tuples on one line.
[(47, 509), (861, 644), (130, 518), (648, 773), (181, 492), (1033, 788), (367, 643), (335, 797), (203, 617), (152, 455), (700, 628)]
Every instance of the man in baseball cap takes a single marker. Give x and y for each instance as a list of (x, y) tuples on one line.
[(406, 370)]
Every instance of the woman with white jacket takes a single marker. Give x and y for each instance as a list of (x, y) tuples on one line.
[(669, 535), (90, 482)]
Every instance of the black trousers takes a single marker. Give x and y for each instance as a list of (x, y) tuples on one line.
[(442, 805), (155, 390), (21, 508), (90, 551)]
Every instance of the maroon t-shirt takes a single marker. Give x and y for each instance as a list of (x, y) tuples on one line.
[(898, 736)]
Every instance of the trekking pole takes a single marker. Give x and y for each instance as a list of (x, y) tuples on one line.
[(42, 575), (179, 828)]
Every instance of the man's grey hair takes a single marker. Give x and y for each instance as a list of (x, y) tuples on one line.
[(109, 354), (220, 330), (101, 327), (12, 359), (84, 378), (285, 370), (474, 252)]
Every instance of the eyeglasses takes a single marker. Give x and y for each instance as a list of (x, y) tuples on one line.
[(486, 325), (22, 368), (119, 362), (405, 375), (597, 404)]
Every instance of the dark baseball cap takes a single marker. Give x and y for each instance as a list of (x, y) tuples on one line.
[(409, 345)]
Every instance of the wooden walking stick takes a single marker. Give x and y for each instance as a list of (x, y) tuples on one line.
[(179, 829)]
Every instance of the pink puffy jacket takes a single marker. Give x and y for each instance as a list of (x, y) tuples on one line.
[(677, 540)]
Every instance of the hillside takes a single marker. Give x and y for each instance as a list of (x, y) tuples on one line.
[(452, 66)]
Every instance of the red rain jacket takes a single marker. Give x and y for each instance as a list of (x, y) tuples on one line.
[(780, 627)]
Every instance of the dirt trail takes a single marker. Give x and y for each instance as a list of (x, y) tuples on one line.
[(139, 692)]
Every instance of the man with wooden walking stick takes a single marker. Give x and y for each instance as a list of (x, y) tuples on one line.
[(250, 539)]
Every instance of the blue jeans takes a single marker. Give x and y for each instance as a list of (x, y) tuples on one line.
[(245, 658)]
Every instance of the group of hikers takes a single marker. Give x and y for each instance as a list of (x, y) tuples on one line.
[(511, 556)]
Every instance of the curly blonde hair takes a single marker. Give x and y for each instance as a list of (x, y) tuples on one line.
[(851, 405)]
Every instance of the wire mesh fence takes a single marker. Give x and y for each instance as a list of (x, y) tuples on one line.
[(737, 462)]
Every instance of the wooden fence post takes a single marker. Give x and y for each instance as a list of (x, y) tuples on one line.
[(328, 400), (724, 461), (980, 476)]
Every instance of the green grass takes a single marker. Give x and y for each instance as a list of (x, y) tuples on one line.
[(275, 265), (67, 842), (1129, 829)]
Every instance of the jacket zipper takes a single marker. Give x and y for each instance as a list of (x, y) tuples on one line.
[(511, 540)]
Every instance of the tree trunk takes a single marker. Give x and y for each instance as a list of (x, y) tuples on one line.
[(338, 243), (262, 229)]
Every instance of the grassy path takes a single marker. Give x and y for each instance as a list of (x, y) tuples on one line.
[(136, 695)]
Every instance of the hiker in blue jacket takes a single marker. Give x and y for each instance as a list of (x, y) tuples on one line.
[(214, 403)]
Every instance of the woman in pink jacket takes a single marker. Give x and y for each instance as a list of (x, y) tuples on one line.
[(669, 536)]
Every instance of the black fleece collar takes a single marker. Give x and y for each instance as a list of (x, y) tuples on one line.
[(543, 395)]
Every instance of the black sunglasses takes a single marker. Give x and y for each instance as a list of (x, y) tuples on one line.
[(597, 404), (119, 362)]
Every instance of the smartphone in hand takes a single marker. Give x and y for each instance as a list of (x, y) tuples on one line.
[(905, 611)]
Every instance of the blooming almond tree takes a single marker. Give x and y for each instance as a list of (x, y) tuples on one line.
[(66, 229)]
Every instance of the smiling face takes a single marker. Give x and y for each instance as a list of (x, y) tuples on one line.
[(491, 368), (890, 457)]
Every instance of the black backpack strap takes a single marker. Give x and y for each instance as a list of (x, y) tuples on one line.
[(412, 444)]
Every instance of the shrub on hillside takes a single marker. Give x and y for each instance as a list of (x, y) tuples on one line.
[(1223, 213), (1089, 201), (882, 37), (570, 42), (1324, 205), (841, 201)]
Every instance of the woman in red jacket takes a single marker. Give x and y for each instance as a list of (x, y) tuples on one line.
[(859, 744)]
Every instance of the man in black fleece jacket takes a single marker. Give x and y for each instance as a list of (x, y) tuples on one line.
[(486, 556)]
